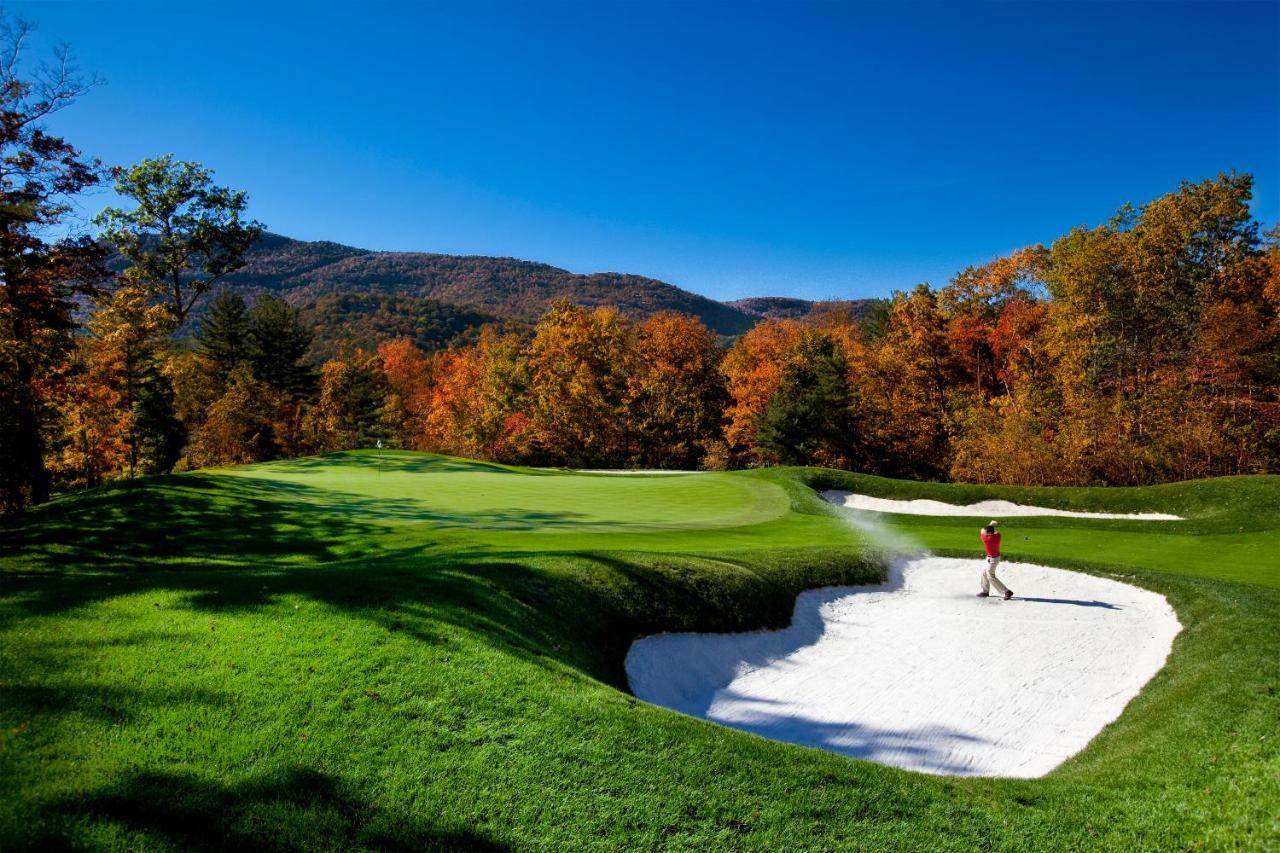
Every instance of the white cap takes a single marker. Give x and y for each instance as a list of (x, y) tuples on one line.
[(994, 522)]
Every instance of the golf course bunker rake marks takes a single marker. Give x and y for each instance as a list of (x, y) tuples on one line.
[(920, 674), (981, 509)]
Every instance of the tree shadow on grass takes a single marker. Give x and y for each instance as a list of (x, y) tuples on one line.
[(142, 524), (405, 462), (224, 520), (501, 602), (349, 505), (424, 594), (113, 704), (293, 808)]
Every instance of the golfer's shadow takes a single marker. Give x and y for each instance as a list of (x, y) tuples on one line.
[(1076, 602)]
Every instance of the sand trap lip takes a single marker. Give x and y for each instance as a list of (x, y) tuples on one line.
[(921, 674), (983, 509)]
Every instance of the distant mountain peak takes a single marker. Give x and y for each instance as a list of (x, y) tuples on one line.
[(303, 271)]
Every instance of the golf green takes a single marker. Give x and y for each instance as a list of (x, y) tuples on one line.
[(439, 492)]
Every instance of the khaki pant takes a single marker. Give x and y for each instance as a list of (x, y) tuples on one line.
[(989, 578)]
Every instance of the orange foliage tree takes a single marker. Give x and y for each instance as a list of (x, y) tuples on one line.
[(408, 373), (753, 369), (675, 393), (578, 387)]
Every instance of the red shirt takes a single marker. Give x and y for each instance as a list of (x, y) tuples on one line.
[(991, 541)]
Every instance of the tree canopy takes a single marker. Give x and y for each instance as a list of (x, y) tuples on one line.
[(184, 232)]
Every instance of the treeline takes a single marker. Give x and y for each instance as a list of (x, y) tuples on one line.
[(1143, 350), (1140, 351)]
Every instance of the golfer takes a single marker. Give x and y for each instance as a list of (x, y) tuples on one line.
[(991, 542)]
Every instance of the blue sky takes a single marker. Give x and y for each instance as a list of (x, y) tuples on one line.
[(816, 150)]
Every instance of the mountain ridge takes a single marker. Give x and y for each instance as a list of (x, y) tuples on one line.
[(334, 282), (303, 271)]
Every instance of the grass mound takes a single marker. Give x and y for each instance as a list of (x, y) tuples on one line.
[(394, 650)]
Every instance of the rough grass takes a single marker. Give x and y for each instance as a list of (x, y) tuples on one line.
[(409, 652)]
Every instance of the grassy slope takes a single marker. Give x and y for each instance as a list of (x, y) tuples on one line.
[(290, 656)]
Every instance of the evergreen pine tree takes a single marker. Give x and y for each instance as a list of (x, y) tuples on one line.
[(809, 420), (157, 437), (278, 341), (224, 333)]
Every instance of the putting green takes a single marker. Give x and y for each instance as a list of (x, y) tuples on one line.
[(442, 492)]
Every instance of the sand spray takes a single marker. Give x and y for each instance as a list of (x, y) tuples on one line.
[(883, 537)]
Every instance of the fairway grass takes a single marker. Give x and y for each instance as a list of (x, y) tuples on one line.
[(403, 651)]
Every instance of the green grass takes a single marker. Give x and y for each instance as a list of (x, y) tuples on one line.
[(1231, 529), (400, 651)]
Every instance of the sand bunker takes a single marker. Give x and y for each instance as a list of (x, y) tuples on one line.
[(921, 674), (982, 509)]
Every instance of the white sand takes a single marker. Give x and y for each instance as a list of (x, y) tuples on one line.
[(982, 509), (921, 674)]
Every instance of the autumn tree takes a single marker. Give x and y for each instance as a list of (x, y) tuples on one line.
[(753, 369), (117, 408), (409, 380), (675, 393), (184, 233), (88, 446), (809, 421), (124, 355), (1011, 435), (39, 280), (903, 384), (478, 400), (1130, 299), (239, 426), (503, 417), (577, 386), (453, 418), (973, 303), (1002, 417), (197, 382), (351, 411)]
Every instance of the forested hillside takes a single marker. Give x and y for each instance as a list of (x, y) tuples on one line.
[(345, 322), (789, 308), (303, 272)]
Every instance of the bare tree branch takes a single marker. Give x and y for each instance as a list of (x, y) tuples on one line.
[(14, 35)]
